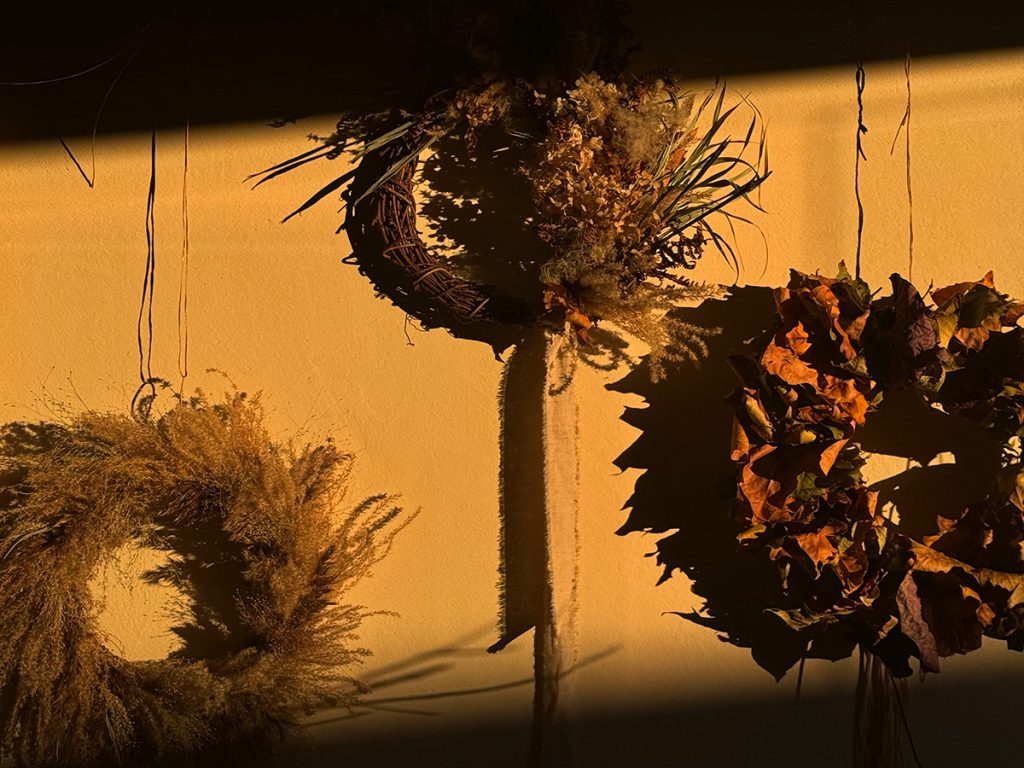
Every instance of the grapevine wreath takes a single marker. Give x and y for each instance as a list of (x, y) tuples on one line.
[(623, 175), (73, 493), (833, 353)]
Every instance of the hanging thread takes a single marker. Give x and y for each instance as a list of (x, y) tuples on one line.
[(183, 278), (903, 719), (905, 127), (145, 322), (90, 178), (861, 78), (81, 72)]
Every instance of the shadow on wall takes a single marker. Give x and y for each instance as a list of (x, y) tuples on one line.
[(229, 61), (687, 486), (208, 569), (776, 732)]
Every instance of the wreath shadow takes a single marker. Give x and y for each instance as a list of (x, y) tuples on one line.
[(207, 569), (687, 486), (478, 204)]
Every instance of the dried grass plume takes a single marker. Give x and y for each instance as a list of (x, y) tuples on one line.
[(72, 493)]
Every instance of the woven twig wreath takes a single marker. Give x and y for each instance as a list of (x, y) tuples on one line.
[(831, 356), (625, 179), (74, 493)]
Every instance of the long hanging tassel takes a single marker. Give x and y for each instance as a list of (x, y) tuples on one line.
[(878, 724), (555, 639), (522, 579), (539, 541)]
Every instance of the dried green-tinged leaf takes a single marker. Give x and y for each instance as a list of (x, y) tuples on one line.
[(807, 487), (946, 326), (982, 306), (396, 167), (752, 533), (801, 620), (758, 418), (324, 191)]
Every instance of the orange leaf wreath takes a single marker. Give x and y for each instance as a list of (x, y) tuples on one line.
[(833, 354)]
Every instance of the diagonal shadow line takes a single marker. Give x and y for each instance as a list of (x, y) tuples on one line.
[(416, 674), (400, 710), (586, 662), (456, 648), (519, 683)]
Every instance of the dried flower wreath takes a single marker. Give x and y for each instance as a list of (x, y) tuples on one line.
[(75, 492), (624, 178), (833, 353)]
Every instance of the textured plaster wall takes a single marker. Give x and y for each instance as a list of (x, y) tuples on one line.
[(275, 308)]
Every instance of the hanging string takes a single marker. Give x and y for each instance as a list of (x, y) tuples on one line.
[(800, 675), (90, 178), (861, 77), (905, 127), (903, 719), (81, 72), (145, 322), (183, 278)]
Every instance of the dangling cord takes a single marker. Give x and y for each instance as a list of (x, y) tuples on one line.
[(90, 178), (183, 277), (905, 127), (800, 675), (861, 130), (145, 322), (903, 718), (183, 280), (81, 72)]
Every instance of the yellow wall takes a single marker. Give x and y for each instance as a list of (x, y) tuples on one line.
[(274, 307)]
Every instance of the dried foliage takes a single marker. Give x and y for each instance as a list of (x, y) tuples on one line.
[(73, 493), (626, 179), (825, 366)]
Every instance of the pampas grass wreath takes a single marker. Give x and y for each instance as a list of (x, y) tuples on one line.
[(73, 493)]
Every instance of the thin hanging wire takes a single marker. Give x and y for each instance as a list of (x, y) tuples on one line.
[(903, 719), (145, 321), (905, 127), (81, 72), (183, 278), (90, 178), (861, 78)]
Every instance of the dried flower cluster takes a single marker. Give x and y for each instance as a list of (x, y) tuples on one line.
[(73, 493), (625, 178), (623, 183), (833, 353), (598, 181), (600, 190)]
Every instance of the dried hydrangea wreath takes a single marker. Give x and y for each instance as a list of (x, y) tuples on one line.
[(624, 177), (833, 353), (73, 493)]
